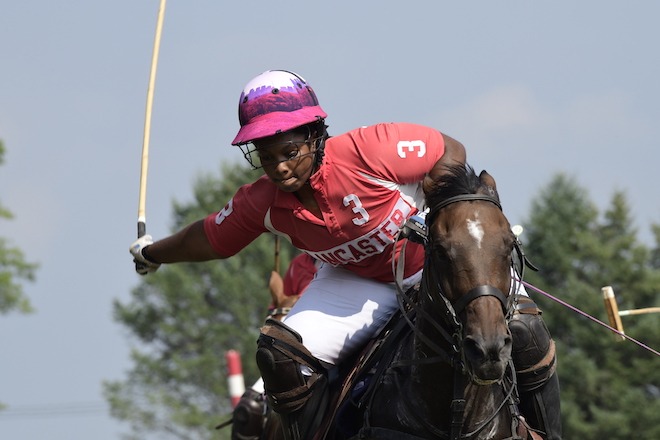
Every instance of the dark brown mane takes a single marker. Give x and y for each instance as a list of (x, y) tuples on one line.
[(458, 180)]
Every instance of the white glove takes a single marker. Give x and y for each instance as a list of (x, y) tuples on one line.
[(142, 265)]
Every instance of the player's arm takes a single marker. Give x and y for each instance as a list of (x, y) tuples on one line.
[(189, 244), (454, 155)]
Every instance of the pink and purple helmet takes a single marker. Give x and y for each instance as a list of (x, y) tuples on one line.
[(274, 102)]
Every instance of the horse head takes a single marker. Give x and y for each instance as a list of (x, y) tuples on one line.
[(470, 262)]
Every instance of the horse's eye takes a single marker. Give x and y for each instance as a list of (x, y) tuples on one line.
[(440, 252)]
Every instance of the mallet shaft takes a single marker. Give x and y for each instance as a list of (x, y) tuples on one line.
[(142, 218), (639, 311)]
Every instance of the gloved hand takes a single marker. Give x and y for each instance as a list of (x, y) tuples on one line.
[(414, 229), (142, 265)]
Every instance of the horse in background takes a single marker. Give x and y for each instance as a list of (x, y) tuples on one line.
[(281, 304), (285, 291)]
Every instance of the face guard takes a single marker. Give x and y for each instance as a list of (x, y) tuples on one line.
[(251, 151)]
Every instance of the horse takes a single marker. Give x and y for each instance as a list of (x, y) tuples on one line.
[(453, 377), (442, 368)]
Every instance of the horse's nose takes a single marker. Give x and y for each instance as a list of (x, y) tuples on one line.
[(479, 349)]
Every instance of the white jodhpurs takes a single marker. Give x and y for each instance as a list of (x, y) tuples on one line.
[(340, 311)]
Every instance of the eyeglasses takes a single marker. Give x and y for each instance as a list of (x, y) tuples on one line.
[(290, 151), (285, 151)]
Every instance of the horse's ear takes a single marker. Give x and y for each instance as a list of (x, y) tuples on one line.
[(276, 286), (487, 180)]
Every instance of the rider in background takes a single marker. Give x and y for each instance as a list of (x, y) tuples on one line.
[(342, 200), (298, 275)]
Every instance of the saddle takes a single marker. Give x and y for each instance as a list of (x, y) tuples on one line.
[(352, 385)]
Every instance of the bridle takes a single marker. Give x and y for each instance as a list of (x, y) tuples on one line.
[(452, 330), (432, 283)]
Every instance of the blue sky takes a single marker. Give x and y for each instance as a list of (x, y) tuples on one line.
[(530, 88)]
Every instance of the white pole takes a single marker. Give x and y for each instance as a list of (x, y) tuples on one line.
[(235, 379)]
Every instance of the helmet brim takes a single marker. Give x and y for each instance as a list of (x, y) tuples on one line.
[(277, 122)]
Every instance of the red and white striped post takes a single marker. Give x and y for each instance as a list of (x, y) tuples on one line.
[(235, 376)]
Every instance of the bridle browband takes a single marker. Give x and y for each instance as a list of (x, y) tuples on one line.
[(462, 198)]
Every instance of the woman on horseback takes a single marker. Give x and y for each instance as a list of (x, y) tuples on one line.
[(342, 200)]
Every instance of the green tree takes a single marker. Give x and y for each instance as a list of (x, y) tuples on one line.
[(13, 269), (655, 255), (187, 316), (609, 389)]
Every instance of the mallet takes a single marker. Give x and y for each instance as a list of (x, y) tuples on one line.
[(142, 217), (612, 310), (614, 314)]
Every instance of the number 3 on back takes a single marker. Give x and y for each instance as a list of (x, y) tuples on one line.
[(405, 147)]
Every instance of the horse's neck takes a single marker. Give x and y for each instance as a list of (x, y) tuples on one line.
[(436, 383), (433, 382), (481, 402)]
